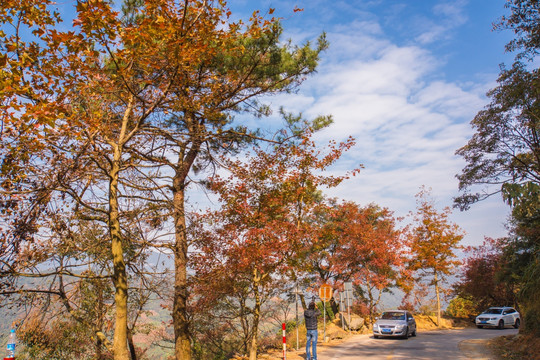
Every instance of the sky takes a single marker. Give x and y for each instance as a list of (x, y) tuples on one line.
[(404, 78)]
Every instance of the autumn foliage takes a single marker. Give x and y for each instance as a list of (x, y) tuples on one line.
[(95, 110), (434, 241), (109, 118), (257, 238)]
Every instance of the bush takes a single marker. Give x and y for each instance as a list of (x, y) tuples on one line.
[(460, 307), (329, 313), (530, 321)]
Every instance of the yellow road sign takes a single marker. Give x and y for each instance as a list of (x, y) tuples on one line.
[(325, 292)]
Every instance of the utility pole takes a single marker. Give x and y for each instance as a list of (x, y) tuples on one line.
[(296, 303), (341, 309)]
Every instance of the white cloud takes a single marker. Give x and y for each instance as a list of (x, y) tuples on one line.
[(408, 123), (448, 15)]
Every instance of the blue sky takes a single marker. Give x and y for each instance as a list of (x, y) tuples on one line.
[(405, 78)]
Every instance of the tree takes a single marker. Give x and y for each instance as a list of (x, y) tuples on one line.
[(254, 235), (522, 249), (78, 92), (505, 148), (157, 85), (523, 20), (483, 278), (358, 244), (434, 240), (375, 249), (462, 307), (49, 332), (234, 65)]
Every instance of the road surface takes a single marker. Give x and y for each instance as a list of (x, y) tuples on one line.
[(459, 344)]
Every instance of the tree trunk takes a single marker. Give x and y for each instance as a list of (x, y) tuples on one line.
[(437, 292), (120, 349), (120, 345), (256, 316), (131, 345), (182, 336), (100, 343), (334, 305), (180, 318), (244, 321), (99, 349), (303, 302)]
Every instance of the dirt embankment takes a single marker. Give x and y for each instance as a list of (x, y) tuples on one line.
[(516, 347), (425, 322)]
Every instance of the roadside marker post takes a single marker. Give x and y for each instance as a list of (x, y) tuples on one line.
[(284, 342)]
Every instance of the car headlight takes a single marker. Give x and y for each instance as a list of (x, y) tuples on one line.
[(493, 319), (400, 327), (375, 326)]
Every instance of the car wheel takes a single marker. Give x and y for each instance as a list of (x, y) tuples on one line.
[(414, 333), (516, 324), (501, 324), (406, 336), (375, 336), (479, 326)]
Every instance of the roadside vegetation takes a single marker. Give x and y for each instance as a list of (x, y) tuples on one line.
[(111, 120), (503, 157)]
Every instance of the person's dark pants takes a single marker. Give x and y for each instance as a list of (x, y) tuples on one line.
[(311, 338)]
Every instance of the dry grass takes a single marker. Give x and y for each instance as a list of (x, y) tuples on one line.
[(516, 347), (425, 322)]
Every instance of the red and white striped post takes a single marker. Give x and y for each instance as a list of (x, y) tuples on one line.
[(284, 343)]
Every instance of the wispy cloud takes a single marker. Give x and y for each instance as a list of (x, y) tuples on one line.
[(408, 122), (445, 16), (383, 80)]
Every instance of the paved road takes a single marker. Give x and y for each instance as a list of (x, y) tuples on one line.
[(438, 345)]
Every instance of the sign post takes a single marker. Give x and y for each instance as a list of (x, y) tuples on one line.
[(348, 290), (341, 310), (296, 305), (325, 294)]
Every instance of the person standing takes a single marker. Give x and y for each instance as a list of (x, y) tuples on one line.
[(310, 317)]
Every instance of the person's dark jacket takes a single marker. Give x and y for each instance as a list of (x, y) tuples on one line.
[(311, 318)]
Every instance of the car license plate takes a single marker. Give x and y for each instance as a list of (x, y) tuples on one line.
[(483, 322), (386, 330)]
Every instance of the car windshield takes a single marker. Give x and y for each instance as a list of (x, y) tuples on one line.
[(493, 311), (393, 316)]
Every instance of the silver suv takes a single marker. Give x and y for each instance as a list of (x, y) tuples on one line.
[(498, 317)]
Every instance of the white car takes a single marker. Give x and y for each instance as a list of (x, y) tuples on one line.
[(498, 317)]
